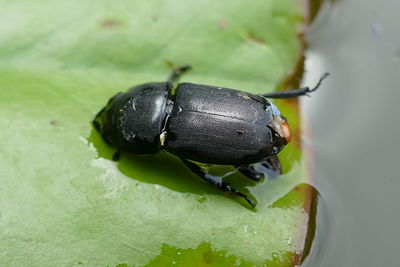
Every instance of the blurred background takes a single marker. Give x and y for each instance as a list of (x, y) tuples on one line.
[(355, 128)]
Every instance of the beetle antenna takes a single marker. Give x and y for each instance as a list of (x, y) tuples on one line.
[(296, 92), (326, 74)]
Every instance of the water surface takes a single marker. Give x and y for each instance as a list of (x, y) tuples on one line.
[(355, 124)]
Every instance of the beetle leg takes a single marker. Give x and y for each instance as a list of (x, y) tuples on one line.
[(270, 166), (250, 172), (117, 155), (177, 73), (216, 181), (296, 92)]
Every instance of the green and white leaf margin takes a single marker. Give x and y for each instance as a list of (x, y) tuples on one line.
[(63, 202)]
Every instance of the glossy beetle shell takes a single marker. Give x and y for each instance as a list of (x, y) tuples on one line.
[(220, 126), (199, 122), (133, 121)]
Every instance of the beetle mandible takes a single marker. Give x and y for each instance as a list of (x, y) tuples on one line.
[(199, 123)]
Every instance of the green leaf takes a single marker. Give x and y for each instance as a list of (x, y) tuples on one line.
[(63, 202)]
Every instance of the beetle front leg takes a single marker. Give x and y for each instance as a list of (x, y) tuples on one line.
[(250, 172), (271, 166), (177, 72), (296, 92), (216, 181)]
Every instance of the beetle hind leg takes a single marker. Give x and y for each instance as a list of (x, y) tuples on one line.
[(217, 182)]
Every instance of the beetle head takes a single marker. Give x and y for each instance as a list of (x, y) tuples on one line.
[(104, 121), (132, 121), (280, 129)]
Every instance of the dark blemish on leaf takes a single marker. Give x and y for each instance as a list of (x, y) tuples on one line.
[(202, 199), (208, 256), (223, 24), (254, 39), (109, 23), (55, 123)]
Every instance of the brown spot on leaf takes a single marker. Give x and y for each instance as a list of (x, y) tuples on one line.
[(255, 39), (54, 123), (223, 24), (109, 23)]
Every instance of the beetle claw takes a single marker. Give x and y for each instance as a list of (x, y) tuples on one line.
[(249, 200)]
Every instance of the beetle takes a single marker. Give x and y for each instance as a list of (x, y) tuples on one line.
[(199, 124)]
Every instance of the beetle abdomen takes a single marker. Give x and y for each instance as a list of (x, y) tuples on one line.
[(218, 125)]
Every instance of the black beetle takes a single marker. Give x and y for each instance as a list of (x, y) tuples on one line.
[(199, 123)]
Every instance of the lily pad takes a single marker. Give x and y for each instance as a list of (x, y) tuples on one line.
[(63, 202)]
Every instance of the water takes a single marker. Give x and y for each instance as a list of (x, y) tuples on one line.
[(355, 126)]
